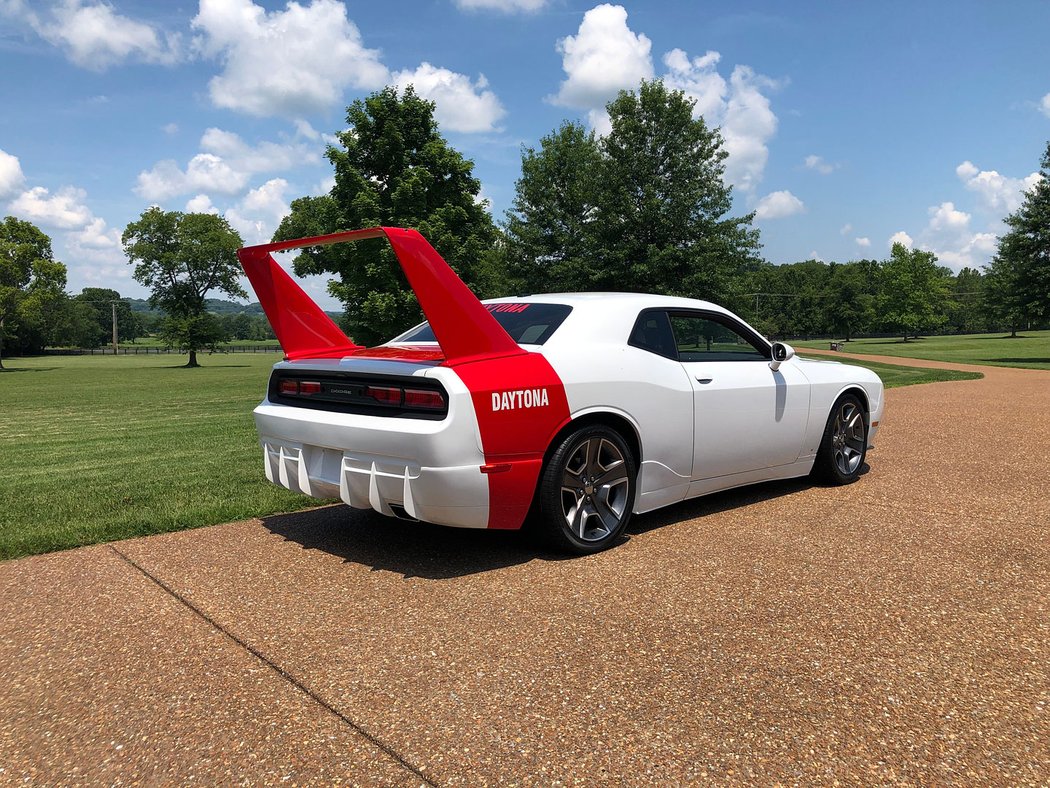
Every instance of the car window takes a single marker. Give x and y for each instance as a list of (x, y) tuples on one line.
[(652, 332), (703, 338), (527, 323)]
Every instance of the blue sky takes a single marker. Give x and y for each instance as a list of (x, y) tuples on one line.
[(848, 124)]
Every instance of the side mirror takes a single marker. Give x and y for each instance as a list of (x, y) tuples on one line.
[(781, 353)]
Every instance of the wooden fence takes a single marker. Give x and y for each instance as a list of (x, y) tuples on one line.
[(134, 351)]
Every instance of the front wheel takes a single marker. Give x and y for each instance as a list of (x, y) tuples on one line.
[(587, 491), (840, 457)]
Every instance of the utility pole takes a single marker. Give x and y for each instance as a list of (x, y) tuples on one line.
[(114, 305)]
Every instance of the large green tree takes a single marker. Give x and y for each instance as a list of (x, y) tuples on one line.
[(99, 303), (849, 304), (181, 257), (552, 231), (393, 167), (1017, 282), (915, 290), (664, 223), (31, 281)]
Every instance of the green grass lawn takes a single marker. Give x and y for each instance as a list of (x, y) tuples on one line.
[(97, 448), (1029, 349), (894, 376)]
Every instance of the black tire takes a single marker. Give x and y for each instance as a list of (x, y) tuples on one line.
[(587, 491), (840, 458)]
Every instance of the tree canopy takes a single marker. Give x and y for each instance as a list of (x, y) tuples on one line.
[(393, 167), (915, 290), (1018, 278), (181, 257), (644, 208), (31, 281)]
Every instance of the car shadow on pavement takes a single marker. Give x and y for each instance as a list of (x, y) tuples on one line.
[(715, 503), (435, 552), (412, 549)]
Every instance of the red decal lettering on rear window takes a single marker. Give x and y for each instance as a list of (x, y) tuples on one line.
[(506, 307)]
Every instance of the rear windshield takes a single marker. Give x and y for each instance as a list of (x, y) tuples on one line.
[(527, 323)]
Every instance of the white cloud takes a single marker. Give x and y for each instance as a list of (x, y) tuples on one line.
[(90, 249), (749, 124), (699, 79), (901, 237), (205, 172), (739, 107), (948, 235), (286, 62), (459, 104), (11, 177), (170, 129), (817, 163), (1044, 105), (777, 205), (997, 194), (604, 57), (506, 6), (863, 242), (846, 229), (64, 210), (96, 235), (94, 36), (264, 157), (224, 166), (947, 220), (257, 215), (200, 203)]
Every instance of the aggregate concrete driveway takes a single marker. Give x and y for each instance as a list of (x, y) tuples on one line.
[(893, 631)]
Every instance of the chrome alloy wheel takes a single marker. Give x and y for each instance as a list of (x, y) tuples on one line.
[(594, 490), (847, 438)]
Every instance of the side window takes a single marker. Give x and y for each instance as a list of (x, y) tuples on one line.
[(652, 332), (702, 338)]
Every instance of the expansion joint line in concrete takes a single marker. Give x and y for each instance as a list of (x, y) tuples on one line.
[(281, 672)]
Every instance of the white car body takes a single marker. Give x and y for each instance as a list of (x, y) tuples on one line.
[(584, 407), (746, 424)]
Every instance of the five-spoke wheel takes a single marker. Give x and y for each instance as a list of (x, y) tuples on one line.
[(587, 490), (841, 453)]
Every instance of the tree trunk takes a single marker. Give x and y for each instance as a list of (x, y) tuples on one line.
[(1, 343), (193, 359), (1013, 333)]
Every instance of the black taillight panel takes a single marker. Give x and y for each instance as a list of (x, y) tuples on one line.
[(370, 395)]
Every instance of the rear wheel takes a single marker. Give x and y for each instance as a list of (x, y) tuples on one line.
[(845, 442), (587, 491)]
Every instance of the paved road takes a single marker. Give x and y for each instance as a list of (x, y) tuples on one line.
[(897, 630)]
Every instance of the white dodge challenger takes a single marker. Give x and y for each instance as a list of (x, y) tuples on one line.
[(579, 409)]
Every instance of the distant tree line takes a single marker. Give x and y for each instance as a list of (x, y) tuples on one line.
[(37, 312)]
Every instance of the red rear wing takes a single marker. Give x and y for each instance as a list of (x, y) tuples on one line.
[(464, 328)]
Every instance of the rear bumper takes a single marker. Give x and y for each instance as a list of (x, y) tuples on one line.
[(427, 470)]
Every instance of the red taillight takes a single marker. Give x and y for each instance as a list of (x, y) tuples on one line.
[(423, 398), (309, 387), (388, 395), (288, 387)]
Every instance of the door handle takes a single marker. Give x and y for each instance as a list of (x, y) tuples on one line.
[(704, 381)]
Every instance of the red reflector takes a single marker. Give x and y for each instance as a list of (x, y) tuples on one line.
[(496, 467), (388, 395), (288, 387), (422, 398), (309, 387)]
